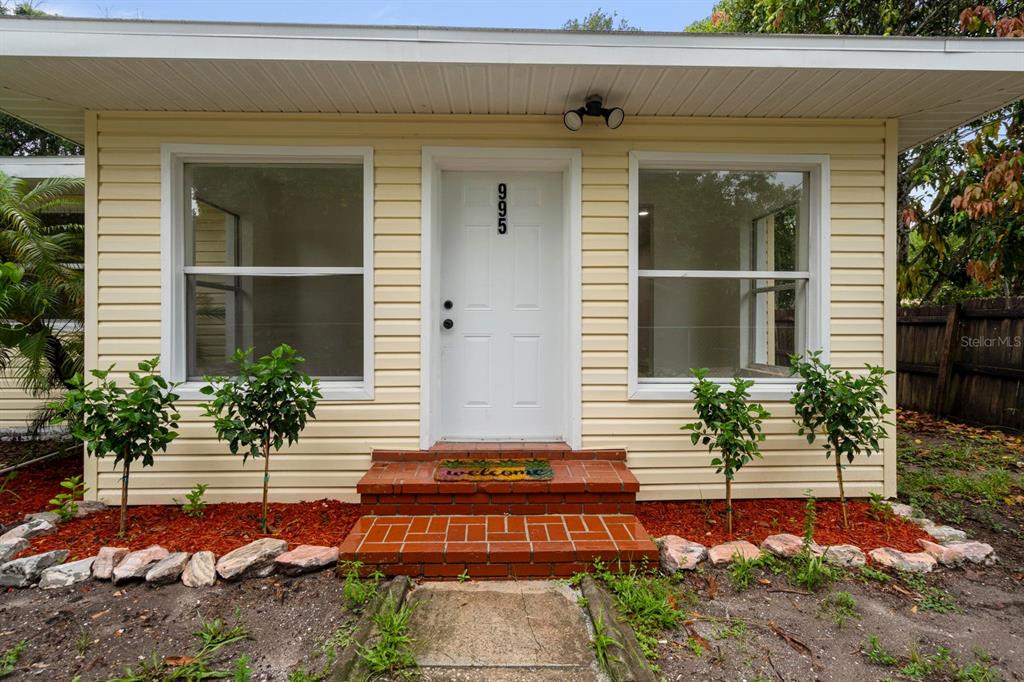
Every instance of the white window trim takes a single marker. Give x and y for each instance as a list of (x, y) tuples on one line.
[(819, 264), (173, 157)]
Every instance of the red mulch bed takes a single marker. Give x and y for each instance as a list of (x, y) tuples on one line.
[(754, 520), (222, 528), (34, 486)]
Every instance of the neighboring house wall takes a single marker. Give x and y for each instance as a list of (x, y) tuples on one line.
[(17, 406), (123, 309)]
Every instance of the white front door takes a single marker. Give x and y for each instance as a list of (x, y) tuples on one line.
[(503, 354)]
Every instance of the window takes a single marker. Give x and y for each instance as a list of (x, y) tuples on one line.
[(264, 246), (726, 269)]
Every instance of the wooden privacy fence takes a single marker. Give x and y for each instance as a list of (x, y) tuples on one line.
[(964, 360)]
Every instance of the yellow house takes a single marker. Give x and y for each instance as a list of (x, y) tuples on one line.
[(463, 252)]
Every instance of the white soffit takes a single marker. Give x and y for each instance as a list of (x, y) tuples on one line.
[(52, 70)]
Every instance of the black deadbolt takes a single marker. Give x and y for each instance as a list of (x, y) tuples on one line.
[(448, 324), (448, 305)]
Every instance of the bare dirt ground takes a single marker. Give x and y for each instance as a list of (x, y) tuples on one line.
[(96, 630)]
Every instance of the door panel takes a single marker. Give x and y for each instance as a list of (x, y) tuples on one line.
[(503, 360)]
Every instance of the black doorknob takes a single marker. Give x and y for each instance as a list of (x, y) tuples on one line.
[(448, 305), (448, 324)]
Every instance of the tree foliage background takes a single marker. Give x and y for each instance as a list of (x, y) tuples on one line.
[(961, 201)]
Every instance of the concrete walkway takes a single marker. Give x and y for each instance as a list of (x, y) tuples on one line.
[(528, 631)]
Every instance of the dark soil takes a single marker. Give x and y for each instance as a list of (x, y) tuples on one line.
[(96, 630), (987, 633)]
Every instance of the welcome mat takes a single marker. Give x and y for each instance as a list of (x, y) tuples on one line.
[(494, 470)]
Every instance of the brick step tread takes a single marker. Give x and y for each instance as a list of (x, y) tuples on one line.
[(552, 451), (516, 504), (570, 476), (437, 544), (501, 571)]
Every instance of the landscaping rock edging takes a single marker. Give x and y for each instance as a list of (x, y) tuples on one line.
[(949, 547)]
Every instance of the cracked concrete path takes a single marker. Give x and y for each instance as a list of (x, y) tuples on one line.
[(507, 631)]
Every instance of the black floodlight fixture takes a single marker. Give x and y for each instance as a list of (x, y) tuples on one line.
[(613, 118)]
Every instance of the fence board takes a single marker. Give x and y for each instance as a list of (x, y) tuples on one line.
[(966, 361)]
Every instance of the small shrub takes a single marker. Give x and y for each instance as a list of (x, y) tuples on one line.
[(877, 654), (195, 505), (812, 572), (728, 423), (879, 509), (849, 411), (264, 406), (66, 504), (131, 424)]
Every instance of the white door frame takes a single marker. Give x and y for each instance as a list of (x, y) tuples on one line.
[(438, 159)]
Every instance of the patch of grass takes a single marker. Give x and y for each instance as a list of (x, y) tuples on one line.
[(743, 572), (392, 651), (869, 574), (602, 643), (695, 647), (646, 600), (929, 597), (812, 572), (464, 576), (921, 667), (9, 659), (215, 634), (737, 629), (242, 672), (876, 653), (977, 672), (83, 642), (840, 607), (356, 590), (6, 481)]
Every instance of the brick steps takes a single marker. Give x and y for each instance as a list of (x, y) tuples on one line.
[(579, 487), (492, 546), (497, 529)]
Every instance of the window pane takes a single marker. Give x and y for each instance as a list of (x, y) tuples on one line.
[(274, 215), (321, 317), (733, 327), (722, 220)]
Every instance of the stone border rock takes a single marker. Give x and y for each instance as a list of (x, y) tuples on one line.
[(628, 664), (950, 548), (154, 565), (348, 665)]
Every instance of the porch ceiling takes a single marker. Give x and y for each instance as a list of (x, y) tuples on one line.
[(53, 70)]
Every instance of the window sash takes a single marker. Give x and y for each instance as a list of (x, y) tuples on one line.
[(816, 274), (175, 247)]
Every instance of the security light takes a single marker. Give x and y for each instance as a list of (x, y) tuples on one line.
[(613, 118)]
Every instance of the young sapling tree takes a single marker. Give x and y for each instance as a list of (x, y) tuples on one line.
[(266, 404), (727, 423), (849, 411), (131, 423)]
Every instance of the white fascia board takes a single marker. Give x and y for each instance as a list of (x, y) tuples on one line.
[(119, 39)]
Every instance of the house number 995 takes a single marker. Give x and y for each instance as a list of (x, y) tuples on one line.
[(502, 208)]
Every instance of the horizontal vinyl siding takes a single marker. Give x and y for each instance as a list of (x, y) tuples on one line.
[(334, 450)]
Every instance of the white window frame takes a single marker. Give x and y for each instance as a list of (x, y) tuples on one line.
[(817, 328), (173, 345)]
